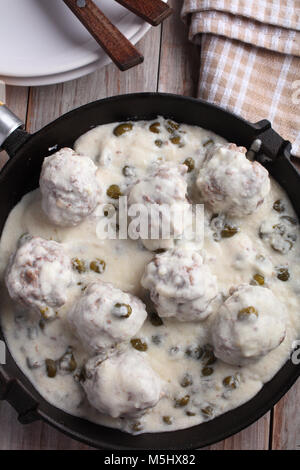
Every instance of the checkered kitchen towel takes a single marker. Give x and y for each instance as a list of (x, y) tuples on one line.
[(250, 58)]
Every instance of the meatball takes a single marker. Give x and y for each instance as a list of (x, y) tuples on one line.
[(163, 194), (105, 316), (249, 324), (69, 186), (38, 275), (123, 385), (180, 285), (231, 183)]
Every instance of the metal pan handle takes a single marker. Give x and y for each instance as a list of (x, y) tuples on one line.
[(9, 122), (12, 133)]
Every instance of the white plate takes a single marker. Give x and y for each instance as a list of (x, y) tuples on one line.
[(71, 74), (41, 41)]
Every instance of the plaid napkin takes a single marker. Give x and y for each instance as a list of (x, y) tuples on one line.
[(250, 58)]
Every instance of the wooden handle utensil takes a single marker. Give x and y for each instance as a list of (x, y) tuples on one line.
[(115, 44), (152, 11)]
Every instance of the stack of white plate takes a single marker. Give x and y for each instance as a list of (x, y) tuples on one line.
[(42, 42)]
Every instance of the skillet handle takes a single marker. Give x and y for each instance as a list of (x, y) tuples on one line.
[(275, 154), (14, 393), (12, 133), (272, 144), (273, 148)]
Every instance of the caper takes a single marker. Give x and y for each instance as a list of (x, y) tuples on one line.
[(98, 266), (167, 420), (122, 310), (155, 128), (48, 313), (156, 339), (33, 363), (44, 312), (230, 381), (259, 279), (72, 363), (208, 142), (245, 313), (114, 191), (288, 218), (261, 233), (138, 344), (81, 375), (190, 413), (51, 368), (229, 231), (279, 228), (208, 357), (217, 223), (155, 319), (217, 220), (67, 362), (20, 318), (194, 352), (172, 126), (186, 380), (158, 143), (174, 350), (292, 237), (181, 402), (24, 238), (283, 274), (109, 210), (123, 128), (207, 411), (176, 140), (32, 332), (137, 426), (190, 163), (282, 246), (79, 265), (206, 371), (128, 171), (278, 206)]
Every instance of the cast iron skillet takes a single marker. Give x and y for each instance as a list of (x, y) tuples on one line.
[(21, 174)]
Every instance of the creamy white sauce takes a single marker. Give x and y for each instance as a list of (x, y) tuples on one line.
[(232, 260)]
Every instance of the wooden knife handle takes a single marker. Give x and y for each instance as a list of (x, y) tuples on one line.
[(115, 44), (152, 11)]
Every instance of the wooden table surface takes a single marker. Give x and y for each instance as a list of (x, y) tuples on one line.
[(171, 65)]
